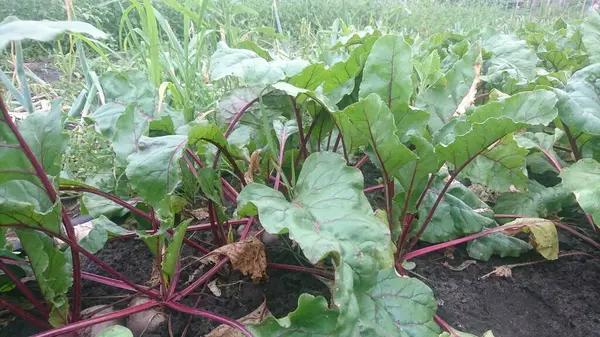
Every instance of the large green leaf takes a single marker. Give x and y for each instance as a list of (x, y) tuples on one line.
[(371, 122), (52, 272), (583, 179), (329, 214), (43, 132), (463, 147), (154, 170), (340, 78), (529, 107), (511, 62), (129, 128), (591, 35), (459, 213), (388, 72), (537, 201), (499, 167), (13, 29), (250, 68), (124, 89), (579, 104), (24, 202)]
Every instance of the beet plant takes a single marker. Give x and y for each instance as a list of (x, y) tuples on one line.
[(288, 147)]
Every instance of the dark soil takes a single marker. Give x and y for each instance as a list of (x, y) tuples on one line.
[(548, 299)]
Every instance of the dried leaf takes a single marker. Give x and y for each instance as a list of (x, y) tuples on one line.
[(502, 271), (449, 253), (247, 256), (460, 267), (254, 317), (214, 288), (469, 98), (253, 167)]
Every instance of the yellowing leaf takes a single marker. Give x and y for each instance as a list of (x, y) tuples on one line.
[(543, 235)]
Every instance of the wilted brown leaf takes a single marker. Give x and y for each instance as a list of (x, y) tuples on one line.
[(502, 271), (253, 167), (247, 256), (254, 317)]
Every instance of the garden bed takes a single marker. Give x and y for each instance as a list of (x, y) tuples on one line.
[(548, 299)]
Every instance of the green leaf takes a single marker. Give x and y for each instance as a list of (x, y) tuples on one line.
[(23, 202), (538, 201), (13, 29), (154, 170), (328, 207), (511, 60), (497, 244), (371, 122), (340, 78), (579, 104), (250, 68), (388, 72), (129, 128), (251, 45), (312, 316), (43, 132), (411, 122), (459, 213), (52, 272), (97, 237), (117, 331), (208, 179), (591, 35), (396, 306), (172, 255), (583, 179), (466, 146), (442, 98), (529, 107), (499, 167), (310, 77)]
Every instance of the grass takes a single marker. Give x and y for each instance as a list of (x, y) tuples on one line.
[(172, 40)]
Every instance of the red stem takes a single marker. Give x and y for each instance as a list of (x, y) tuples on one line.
[(209, 315), (452, 243), (24, 290), (440, 196), (110, 197), (305, 143), (229, 191), (572, 141), (406, 221), (24, 314), (445, 325), (204, 278), (362, 161), (314, 271), (116, 283), (63, 331), (373, 188), (39, 170), (552, 160), (337, 142)]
